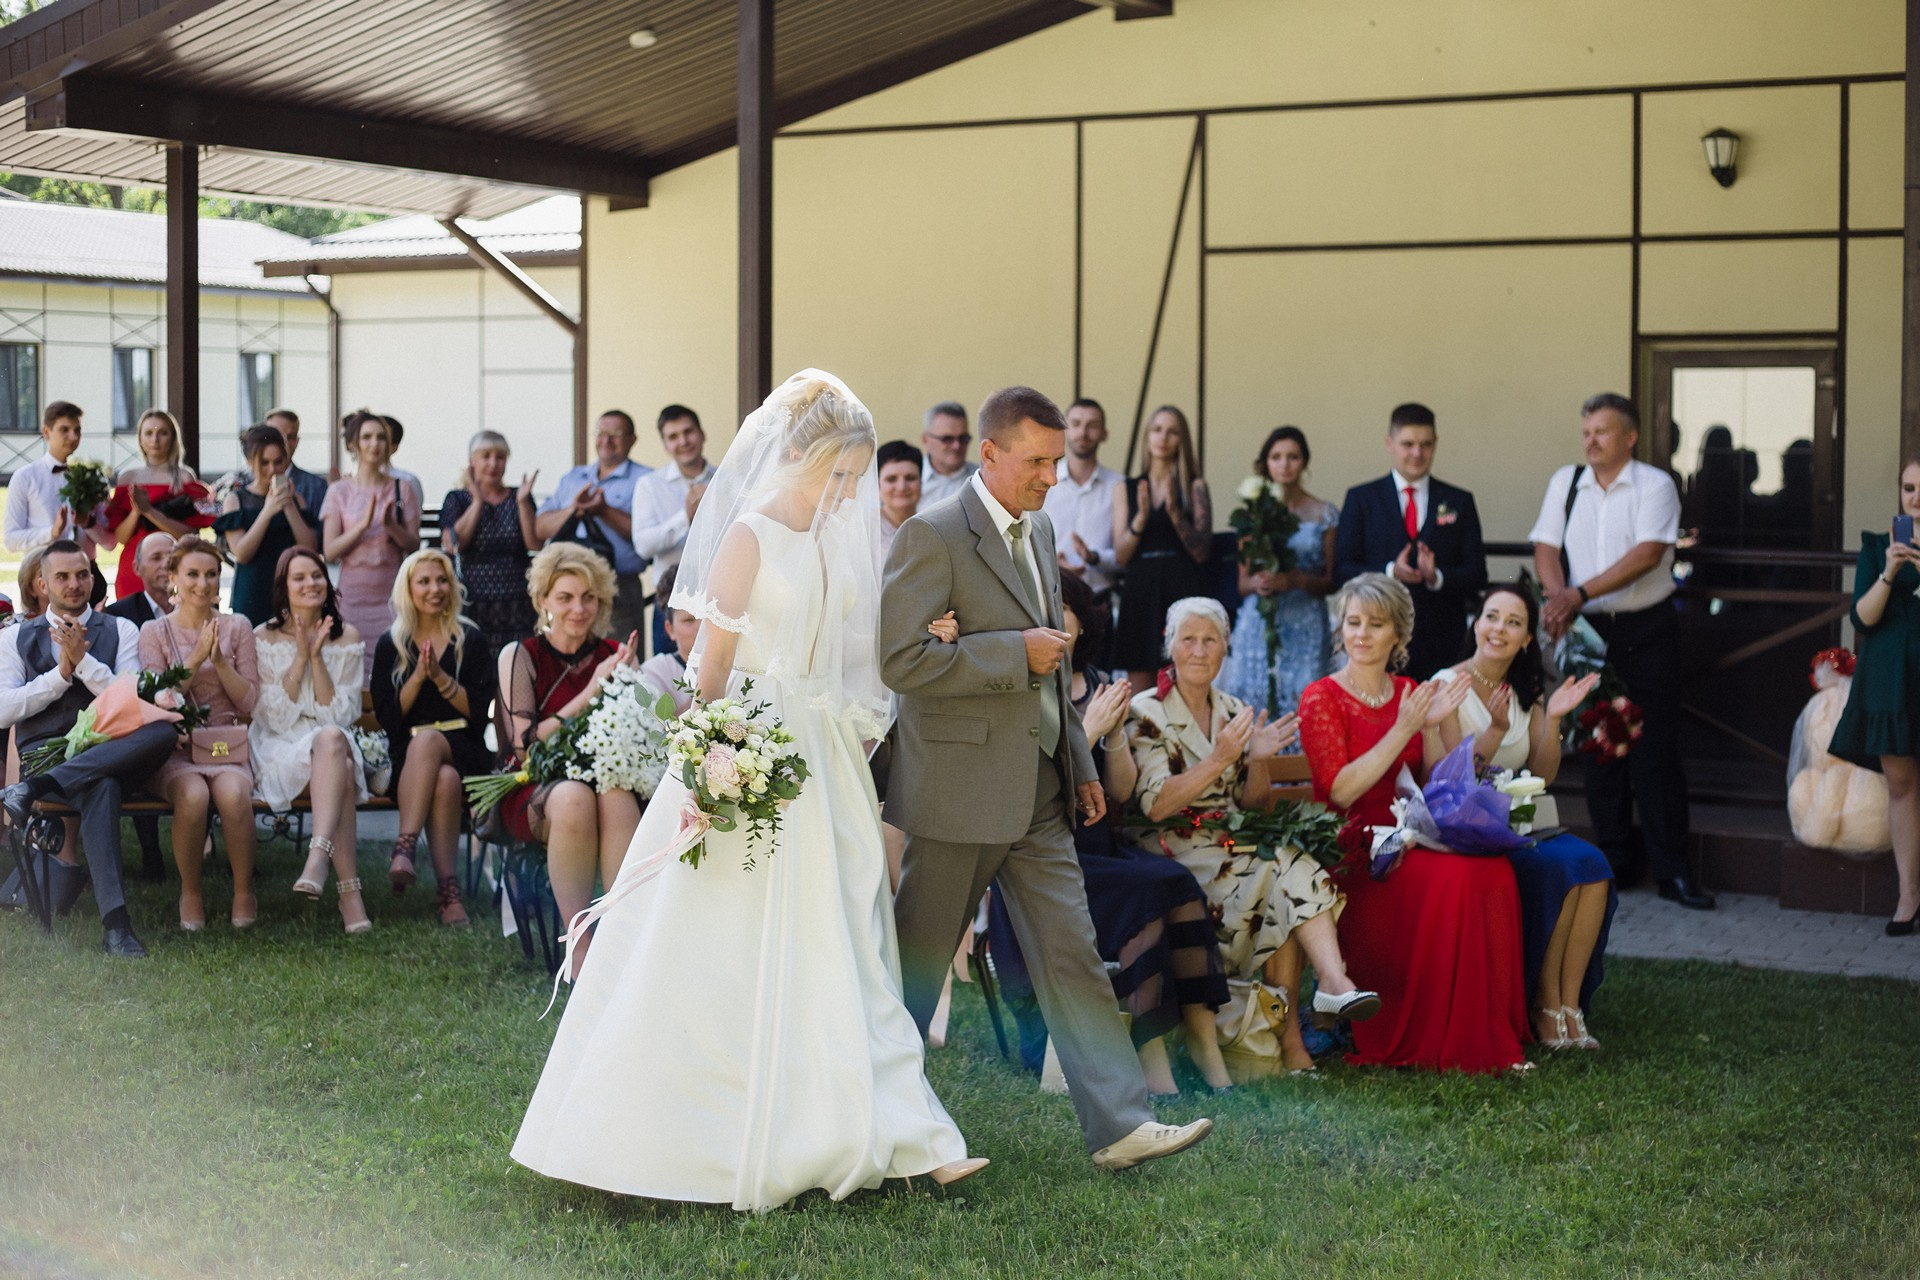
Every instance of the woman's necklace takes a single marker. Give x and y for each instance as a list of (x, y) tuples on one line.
[(1373, 701), (1489, 685)]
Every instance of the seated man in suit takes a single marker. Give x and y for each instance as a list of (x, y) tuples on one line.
[(156, 600), (1421, 531), (50, 669)]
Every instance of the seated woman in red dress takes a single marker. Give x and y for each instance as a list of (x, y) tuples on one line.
[(1439, 938)]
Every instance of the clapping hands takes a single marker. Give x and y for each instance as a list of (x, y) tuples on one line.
[(1106, 709), (1254, 736), (1571, 694)]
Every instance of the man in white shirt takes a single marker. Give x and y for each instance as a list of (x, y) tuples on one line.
[(593, 505), (1603, 549), (944, 436), (51, 668), (665, 500), (35, 515), (1081, 503)]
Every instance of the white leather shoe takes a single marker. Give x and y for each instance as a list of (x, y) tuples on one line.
[(1354, 1006), (1149, 1142)]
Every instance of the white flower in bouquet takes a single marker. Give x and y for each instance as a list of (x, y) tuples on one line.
[(624, 736), (1251, 488), (1521, 786)]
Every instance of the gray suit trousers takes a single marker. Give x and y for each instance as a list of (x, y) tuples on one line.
[(92, 782), (940, 885)]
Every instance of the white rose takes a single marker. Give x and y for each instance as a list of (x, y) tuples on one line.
[(1251, 488), (1523, 787)]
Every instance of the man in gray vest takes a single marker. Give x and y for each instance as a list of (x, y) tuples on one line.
[(50, 669), (990, 764)]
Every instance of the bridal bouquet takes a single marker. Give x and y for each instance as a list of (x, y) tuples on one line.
[(736, 761), (613, 745), (1610, 722), (1265, 524), (1300, 826), (86, 486)]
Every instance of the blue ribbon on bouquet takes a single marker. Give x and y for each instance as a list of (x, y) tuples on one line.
[(1454, 813)]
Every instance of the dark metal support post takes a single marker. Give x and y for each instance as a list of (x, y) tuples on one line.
[(183, 295), (756, 203), (582, 442), (1910, 275)]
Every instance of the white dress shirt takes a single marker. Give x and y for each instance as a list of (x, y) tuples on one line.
[(33, 503), (936, 488), (1004, 520), (1641, 505), (1421, 488), (1085, 509), (660, 513), (21, 697)]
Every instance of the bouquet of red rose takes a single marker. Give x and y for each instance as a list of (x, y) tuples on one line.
[(1608, 729)]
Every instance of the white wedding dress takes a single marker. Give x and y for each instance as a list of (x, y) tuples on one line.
[(737, 1036)]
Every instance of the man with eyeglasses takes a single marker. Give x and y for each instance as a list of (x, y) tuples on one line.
[(945, 438)]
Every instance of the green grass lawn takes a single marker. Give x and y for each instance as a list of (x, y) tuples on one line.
[(292, 1102)]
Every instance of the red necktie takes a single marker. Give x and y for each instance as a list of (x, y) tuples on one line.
[(1413, 517)]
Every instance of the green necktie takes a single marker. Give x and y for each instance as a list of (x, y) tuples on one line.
[(1049, 685)]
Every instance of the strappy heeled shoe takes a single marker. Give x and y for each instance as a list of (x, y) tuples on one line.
[(452, 914), (313, 876), (1558, 1040), (1581, 1037), (400, 864), (347, 893)]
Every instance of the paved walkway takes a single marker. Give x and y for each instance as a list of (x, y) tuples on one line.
[(1751, 930)]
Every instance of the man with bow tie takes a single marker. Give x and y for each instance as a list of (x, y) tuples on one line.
[(1423, 533), (35, 515)]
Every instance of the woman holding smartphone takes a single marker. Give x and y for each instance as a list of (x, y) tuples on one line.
[(372, 521), (1880, 729), (260, 520)]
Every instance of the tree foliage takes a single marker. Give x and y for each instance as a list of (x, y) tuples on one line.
[(298, 220)]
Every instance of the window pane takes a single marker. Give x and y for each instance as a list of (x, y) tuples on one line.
[(257, 391), (19, 387), (132, 385)]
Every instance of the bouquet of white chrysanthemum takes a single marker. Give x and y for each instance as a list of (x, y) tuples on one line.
[(625, 734), (736, 761), (374, 757)]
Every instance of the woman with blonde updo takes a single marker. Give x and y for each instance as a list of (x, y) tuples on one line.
[(787, 1024), (545, 681)]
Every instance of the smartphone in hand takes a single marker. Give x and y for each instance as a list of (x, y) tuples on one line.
[(1903, 529)]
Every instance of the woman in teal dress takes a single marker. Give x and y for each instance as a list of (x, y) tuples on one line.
[(1274, 676), (261, 519), (1878, 730)]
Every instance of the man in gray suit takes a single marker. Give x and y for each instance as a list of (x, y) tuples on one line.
[(989, 757)]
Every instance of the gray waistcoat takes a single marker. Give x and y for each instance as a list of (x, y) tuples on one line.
[(37, 658)]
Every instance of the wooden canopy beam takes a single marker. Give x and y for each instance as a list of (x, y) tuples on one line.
[(131, 108), (1910, 274), (183, 296), (513, 275), (67, 37), (756, 203)]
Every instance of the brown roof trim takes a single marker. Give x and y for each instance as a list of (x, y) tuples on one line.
[(423, 262), (73, 34)]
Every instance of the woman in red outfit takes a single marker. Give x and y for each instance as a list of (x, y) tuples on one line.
[(1439, 938), (161, 494)]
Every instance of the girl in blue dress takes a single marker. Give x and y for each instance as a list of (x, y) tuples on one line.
[(1273, 676)]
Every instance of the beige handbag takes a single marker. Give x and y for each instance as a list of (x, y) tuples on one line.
[(220, 744), (1251, 1024)]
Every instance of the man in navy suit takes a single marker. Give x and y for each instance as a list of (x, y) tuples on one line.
[(1424, 533)]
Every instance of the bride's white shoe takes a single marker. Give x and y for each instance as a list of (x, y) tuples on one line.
[(953, 1171)]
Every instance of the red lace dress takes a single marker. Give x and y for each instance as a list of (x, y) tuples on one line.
[(539, 682), (1439, 938)]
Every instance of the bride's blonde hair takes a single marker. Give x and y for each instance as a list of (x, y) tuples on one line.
[(824, 421)]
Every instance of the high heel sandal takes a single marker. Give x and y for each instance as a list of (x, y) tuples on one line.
[(192, 924), (344, 889), (452, 914), (313, 876), (1581, 1037), (400, 864), (246, 909), (1559, 1038), (1354, 1006), (948, 1174)]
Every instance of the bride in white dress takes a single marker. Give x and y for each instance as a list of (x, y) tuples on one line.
[(736, 1036)]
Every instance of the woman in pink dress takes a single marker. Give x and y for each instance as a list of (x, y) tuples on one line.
[(163, 494), (218, 649), (372, 523)]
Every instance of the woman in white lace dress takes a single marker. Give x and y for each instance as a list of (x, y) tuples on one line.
[(310, 677)]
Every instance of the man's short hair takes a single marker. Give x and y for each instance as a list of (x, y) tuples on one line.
[(1088, 402), (1614, 401), (947, 408), (288, 414), (897, 451), (672, 413), (1411, 414), (64, 546), (1008, 407), (59, 409)]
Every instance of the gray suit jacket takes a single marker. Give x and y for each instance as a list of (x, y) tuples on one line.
[(969, 713)]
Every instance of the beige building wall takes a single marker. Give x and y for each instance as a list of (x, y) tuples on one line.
[(452, 352), (1339, 249)]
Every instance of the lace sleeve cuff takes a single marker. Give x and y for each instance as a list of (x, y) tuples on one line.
[(708, 610)]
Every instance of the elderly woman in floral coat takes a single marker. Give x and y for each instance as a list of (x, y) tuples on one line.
[(1200, 748)]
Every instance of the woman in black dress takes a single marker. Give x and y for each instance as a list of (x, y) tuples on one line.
[(260, 520), (488, 529), (1163, 537), (1150, 915), (433, 682), (1880, 729)]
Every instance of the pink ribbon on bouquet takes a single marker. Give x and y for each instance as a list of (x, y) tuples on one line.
[(694, 825)]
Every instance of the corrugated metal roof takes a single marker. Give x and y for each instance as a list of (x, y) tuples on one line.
[(547, 231), (73, 242), (559, 73)]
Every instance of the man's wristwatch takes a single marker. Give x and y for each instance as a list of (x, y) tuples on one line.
[(1584, 597)]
